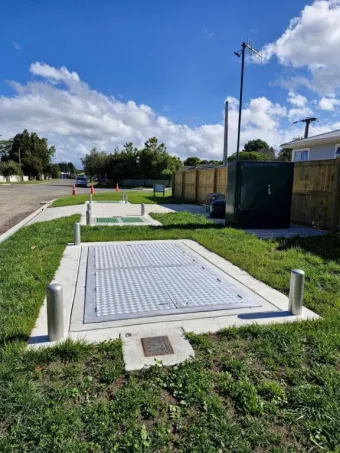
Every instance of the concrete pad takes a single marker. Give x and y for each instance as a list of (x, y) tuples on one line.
[(134, 355), (292, 231), (72, 275), (56, 213)]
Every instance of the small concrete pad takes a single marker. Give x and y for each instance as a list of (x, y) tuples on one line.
[(292, 231), (136, 358)]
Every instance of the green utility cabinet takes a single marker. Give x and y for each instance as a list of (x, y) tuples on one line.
[(259, 194)]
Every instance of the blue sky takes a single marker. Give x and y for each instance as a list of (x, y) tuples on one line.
[(138, 68)]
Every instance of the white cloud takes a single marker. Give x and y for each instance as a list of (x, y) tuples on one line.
[(17, 45), (61, 74), (76, 118), (296, 99), (312, 41), (328, 103)]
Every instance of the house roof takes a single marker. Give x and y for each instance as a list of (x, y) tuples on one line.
[(328, 137)]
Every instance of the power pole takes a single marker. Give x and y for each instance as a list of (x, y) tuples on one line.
[(225, 144), (307, 122), (241, 54)]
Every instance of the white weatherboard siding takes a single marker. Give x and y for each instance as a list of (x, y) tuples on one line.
[(317, 152)]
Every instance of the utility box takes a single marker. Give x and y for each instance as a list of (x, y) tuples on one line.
[(259, 194)]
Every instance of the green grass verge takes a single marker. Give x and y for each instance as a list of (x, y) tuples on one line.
[(135, 197), (255, 389)]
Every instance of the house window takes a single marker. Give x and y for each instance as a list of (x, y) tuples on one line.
[(300, 155), (337, 150)]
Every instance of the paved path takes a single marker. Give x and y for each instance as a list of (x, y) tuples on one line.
[(17, 201)]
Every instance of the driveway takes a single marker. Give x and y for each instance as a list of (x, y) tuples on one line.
[(17, 201)]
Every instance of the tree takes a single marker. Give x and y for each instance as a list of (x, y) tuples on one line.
[(248, 155), (54, 171), (261, 146), (285, 155), (192, 161), (32, 151), (10, 168), (96, 163)]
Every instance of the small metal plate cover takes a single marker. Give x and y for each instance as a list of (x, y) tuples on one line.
[(156, 346)]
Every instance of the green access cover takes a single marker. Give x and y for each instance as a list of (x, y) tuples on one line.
[(132, 219), (106, 220)]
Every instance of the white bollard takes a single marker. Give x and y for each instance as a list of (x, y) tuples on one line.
[(55, 312), (297, 283), (126, 199), (123, 198), (142, 209), (88, 218), (76, 234)]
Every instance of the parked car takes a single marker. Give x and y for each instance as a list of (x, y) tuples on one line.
[(81, 181), (217, 209)]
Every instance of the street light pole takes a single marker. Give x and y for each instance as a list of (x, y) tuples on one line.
[(241, 54), (240, 103)]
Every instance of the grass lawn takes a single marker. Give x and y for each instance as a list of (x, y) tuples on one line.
[(255, 389), (135, 197)]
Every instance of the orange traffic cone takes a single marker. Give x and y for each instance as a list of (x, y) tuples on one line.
[(91, 190), (74, 190), (117, 187)]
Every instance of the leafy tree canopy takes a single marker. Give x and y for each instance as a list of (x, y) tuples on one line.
[(261, 146), (248, 155)]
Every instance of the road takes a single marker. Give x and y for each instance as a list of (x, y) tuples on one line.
[(17, 201)]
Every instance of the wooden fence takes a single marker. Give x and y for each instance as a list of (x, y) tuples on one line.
[(316, 190)]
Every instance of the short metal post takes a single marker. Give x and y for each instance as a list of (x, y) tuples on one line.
[(89, 206), (297, 283), (142, 206), (76, 233), (90, 197), (126, 199), (88, 218), (55, 312), (123, 198)]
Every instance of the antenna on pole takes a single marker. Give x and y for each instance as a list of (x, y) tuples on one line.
[(307, 122), (240, 54)]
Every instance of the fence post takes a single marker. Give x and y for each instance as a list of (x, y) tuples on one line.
[(335, 206), (55, 312), (197, 179), (183, 184), (215, 180)]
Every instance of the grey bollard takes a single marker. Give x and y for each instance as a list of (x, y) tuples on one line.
[(142, 206), (76, 233), (55, 312), (88, 218), (123, 198), (89, 206), (126, 199), (90, 197), (297, 283)]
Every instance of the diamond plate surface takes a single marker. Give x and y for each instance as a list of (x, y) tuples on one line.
[(140, 255), (106, 220), (128, 291), (132, 281), (132, 219)]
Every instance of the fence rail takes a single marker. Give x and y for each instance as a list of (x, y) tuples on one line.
[(316, 190)]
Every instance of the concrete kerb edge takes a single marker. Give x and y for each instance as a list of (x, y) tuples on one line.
[(24, 222)]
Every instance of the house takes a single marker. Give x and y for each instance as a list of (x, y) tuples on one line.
[(318, 147)]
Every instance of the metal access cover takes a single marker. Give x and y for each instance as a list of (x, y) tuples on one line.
[(127, 281), (106, 220), (132, 219), (156, 346)]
